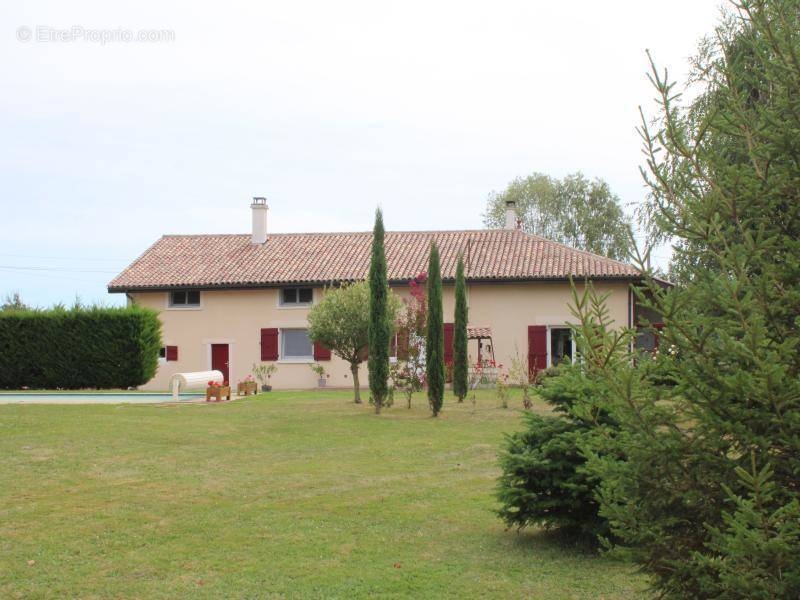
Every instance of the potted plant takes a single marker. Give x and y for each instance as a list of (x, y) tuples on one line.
[(247, 387), (321, 374), (218, 391), (263, 374)]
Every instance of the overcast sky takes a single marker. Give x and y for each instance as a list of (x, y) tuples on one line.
[(327, 109)]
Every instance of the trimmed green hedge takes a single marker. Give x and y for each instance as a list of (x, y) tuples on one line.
[(79, 347)]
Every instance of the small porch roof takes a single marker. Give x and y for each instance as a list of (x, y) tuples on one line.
[(479, 333)]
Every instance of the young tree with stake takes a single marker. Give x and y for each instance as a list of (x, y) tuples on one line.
[(340, 322)]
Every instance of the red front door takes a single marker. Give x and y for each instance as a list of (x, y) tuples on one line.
[(219, 359)]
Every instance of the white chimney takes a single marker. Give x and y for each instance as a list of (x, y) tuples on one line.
[(259, 209), (511, 215)]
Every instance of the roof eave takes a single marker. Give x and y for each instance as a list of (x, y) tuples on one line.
[(120, 289)]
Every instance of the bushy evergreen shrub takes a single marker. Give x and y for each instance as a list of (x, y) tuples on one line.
[(544, 478), (78, 348)]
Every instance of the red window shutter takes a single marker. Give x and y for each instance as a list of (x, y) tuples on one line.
[(393, 346), (269, 344), (449, 335), (171, 353), (321, 352), (537, 349)]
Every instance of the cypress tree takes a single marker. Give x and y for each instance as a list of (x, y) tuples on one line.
[(460, 361), (434, 347), (380, 327)]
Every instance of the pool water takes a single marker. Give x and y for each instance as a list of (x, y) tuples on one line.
[(89, 398)]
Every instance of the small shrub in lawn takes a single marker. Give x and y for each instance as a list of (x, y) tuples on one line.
[(519, 376), (502, 390)]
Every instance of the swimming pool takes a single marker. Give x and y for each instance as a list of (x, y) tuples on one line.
[(89, 398)]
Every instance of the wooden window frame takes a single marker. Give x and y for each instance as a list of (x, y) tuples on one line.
[(282, 303), (172, 305)]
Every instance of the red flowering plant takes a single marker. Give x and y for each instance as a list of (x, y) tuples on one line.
[(408, 372), (417, 306)]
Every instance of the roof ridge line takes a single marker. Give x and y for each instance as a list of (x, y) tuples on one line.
[(298, 233)]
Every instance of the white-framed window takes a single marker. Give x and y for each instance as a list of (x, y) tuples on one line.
[(184, 299), (296, 296), (295, 345), (162, 354), (560, 345)]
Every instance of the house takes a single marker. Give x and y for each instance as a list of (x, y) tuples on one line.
[(228, 301)]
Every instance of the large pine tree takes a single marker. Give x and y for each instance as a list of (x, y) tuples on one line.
[(460, 360), (434, 346), (380, 326), (704, 486)]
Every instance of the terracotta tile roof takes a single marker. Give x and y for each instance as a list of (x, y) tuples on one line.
[(475, 333), (231, 260)]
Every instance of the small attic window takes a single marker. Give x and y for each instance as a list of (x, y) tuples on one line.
[(297, 296), (184, 298)]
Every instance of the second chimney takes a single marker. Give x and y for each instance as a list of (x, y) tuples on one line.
[(259, 209), (511, 215)]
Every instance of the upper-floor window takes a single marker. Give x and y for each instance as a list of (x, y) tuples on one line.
[(184, 298), (301, 296)]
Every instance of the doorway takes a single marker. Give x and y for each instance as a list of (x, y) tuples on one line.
[(561, 345), (220, 359)]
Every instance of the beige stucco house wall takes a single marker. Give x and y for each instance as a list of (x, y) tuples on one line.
[(236, 316), (515, 280)]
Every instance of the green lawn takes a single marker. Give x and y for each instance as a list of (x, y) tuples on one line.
[(289, 494)]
